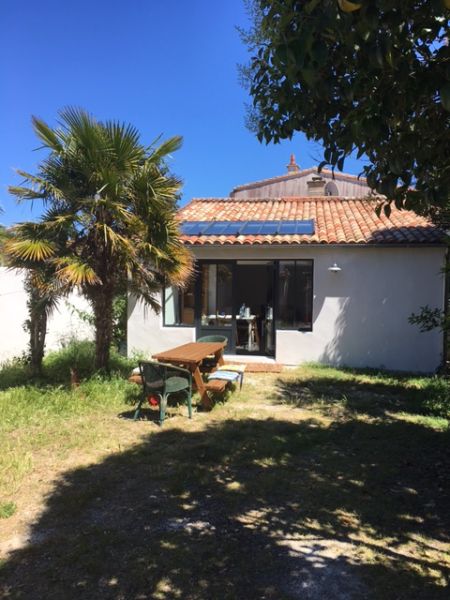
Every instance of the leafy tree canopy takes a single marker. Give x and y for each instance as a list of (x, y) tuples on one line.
[(371, 76)]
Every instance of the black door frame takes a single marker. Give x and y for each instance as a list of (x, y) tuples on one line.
[(230, 332)]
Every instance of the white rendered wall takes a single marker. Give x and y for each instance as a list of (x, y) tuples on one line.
[(146, 334), (62, 325), (360, 315)]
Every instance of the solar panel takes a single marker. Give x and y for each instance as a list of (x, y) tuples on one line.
[(270, 228), (288, 228), (191, 227), (215, 228), (233, 228), (248, 227), (305, 227), (252, 228)]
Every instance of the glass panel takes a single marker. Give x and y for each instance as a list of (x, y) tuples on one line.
[(216, 295), (295, 294), (216, 228), (252, 228), (305, 227), (270, 227), (233, 228), (191, 227), (288, 228), (304, 278), (179, 305)]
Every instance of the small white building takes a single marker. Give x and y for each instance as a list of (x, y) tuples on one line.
[(299, 268)]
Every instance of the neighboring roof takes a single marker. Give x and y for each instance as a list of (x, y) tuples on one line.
[(327, 173), (337, 220)]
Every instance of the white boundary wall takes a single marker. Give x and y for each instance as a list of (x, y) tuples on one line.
[(360, 315), (62, 324)]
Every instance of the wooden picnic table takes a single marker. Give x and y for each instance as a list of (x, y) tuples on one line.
[(190, 356)]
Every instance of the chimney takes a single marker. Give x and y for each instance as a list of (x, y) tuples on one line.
[(293, 167), (316, 186)]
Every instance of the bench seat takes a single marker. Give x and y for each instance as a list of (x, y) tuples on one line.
[(216, 385)]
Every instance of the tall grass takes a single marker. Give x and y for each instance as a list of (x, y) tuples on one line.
[(57, 365)]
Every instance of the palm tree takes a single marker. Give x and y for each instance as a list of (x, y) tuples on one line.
[(110, 217), (43, 289), (4, 235)]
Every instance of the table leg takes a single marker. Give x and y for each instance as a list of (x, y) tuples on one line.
[(219, 357), (200, 385)]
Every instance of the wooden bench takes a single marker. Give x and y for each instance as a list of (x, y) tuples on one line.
[(216, 385)]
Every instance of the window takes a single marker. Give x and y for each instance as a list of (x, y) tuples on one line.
[(331, 189), (295, 287), (217, 299), (179, 305)]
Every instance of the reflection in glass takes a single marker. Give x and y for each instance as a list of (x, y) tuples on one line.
[(179, 305), (295, 294), (216, 295)]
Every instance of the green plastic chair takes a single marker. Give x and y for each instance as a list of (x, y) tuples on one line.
[(212, 338), (161, 380), (210, 362)]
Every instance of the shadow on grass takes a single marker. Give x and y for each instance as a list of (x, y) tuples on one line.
[(371, 397), (247, 509)]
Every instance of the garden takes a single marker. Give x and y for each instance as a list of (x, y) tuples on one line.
[(332, 481)]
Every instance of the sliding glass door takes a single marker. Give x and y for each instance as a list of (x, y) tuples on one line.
[(235, 299), (215, 301)]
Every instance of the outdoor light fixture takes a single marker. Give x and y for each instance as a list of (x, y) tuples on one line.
[(334, 268)]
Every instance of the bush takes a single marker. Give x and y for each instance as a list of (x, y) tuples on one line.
[(14, 372), (80, 355), (57, 365), (436, 397)]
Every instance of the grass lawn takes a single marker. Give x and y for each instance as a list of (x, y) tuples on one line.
[(313, 484)]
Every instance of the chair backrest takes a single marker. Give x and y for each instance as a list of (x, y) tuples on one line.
[(213, 338), (153, 374)]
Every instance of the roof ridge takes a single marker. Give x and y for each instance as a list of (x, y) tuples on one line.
[(230, 199), (297, 174)]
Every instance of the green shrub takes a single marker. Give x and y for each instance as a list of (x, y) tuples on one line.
[(14, 372), (74, 354), (80, 355), (436, 397)]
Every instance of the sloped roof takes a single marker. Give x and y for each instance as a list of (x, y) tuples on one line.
[(337, 220)]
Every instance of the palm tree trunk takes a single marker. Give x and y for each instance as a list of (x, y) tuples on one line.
[(36, 325), (102, 306), (38, 331)]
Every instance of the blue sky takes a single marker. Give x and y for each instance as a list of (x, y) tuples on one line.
[(169, 67)]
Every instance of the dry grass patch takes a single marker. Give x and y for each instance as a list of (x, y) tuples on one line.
[(310, 484)]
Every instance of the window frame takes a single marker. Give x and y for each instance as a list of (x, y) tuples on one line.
[(181, 325), (278, 325), (231, 265)]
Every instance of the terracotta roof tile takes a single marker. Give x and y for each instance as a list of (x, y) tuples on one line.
[(337, 220)]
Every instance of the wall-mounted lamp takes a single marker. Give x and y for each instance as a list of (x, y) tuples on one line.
[(334, 268)]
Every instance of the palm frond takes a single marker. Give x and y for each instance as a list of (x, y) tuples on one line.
[(48, 136), (74, 272), (165, 149), (33, 250)]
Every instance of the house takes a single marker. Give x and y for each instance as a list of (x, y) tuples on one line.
[(299, 268)]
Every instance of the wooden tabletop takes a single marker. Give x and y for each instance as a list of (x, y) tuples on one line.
[(194, 352)]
